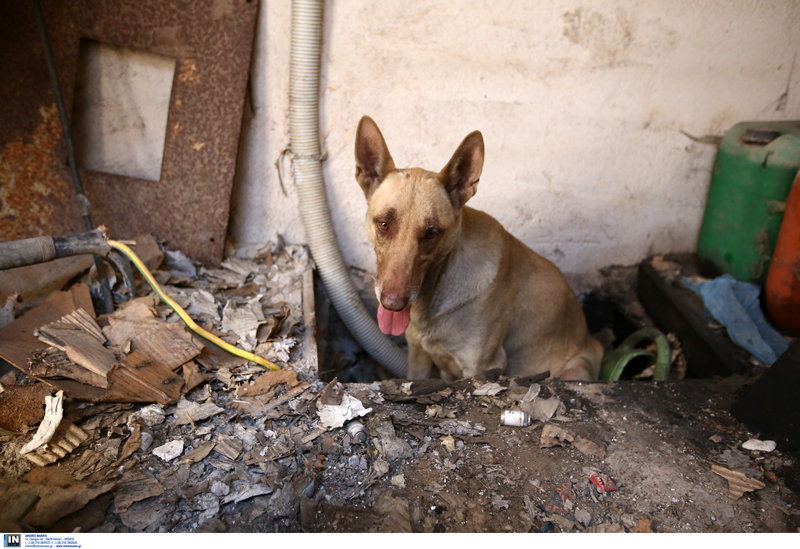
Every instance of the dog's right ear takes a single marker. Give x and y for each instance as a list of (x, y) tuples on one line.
[(373, 161)]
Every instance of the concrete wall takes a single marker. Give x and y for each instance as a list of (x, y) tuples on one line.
[(586, 108)]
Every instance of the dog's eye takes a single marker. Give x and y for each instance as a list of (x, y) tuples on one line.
[(382, 225), (431, 233)]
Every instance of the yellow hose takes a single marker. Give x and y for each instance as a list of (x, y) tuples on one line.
[(182, 314)]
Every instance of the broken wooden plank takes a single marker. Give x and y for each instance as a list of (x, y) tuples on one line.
[(17, 341), (33, 283), (198, 454), (142, 379), (131, 319), (168, 342), (135, 486), (192, 376), (81, 338), (133, 443), (89, 463), (229, 447), (54, 363), (310, 353), (83, 320), (54, 502), (266, 381), (255, 407)]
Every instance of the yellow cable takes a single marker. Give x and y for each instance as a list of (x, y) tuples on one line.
[(185, 317)]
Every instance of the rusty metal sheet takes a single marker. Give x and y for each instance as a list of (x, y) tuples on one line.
[(188, 207), (36, 194)]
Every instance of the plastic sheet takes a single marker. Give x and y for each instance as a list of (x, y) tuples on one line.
[(735, 305)]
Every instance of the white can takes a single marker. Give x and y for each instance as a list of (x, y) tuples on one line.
[(515, 418), (356, 431)]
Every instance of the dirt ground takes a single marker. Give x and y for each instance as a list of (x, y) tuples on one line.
[(435, 459), (250, 450)]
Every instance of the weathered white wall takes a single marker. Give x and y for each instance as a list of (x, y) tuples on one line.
[(582, 105)]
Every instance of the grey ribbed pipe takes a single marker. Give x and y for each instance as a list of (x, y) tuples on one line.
[(307, 167)]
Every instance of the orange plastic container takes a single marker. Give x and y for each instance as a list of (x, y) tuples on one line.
[(782, 289)]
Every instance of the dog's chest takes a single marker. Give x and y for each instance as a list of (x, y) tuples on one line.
[(452, 353)]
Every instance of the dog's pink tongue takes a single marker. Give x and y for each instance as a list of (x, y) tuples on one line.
[(393, 322)]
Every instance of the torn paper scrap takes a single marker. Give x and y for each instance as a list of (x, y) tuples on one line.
[(759, 445), (555, 436), (170, 450), (738, 482), (334, 416), (488, 389), (187, 411)]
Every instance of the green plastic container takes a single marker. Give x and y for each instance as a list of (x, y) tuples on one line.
[(753, 173)]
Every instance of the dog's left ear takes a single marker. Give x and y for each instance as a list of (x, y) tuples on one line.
[(461, 175)]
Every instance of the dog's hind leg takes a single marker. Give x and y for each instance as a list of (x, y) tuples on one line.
[(578, 368)]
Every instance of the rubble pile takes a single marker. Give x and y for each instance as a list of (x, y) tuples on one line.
[(149, 429)]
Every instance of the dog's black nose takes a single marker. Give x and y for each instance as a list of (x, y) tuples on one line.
[(394, 301)]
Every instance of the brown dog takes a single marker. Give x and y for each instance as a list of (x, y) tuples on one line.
[(469, 296)]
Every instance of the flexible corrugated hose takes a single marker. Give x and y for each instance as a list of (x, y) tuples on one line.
[(307, 168)]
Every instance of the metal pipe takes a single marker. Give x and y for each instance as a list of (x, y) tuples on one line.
[(29, 251), (83, 202)]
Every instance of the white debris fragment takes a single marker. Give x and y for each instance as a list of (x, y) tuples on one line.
[(187, 411), (459, 427), (243, 320), (179, 263), (488, 389), (147, 441), (544, 409), (220, 489), (150, 415), (53, 413), (499, 502), (246, 435), (449, 443), (242, 267), (7, 310), (334, 416), (170, 450), (283, 347), (204, 430), (247, 492), (541, 409), (202, 304), (380, 467), (399, 481), (583, 516), (759, 445)]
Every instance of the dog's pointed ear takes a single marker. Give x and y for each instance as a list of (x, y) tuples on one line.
[(461, 175), (373, 161)]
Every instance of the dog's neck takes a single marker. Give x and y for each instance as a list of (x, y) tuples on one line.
[(460, 274)]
